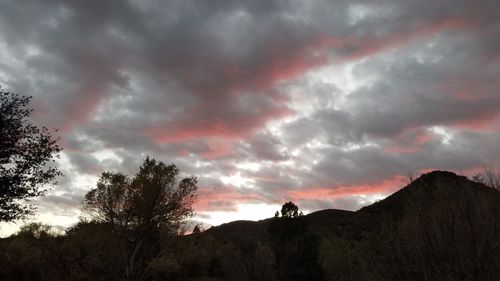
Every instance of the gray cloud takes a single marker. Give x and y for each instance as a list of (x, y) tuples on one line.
[(318, 94)]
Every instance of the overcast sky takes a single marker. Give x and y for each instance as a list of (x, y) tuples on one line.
[(325, 103)]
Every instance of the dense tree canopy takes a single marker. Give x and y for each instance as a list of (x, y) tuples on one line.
[(290, 210), (155, 199), (25, 151)]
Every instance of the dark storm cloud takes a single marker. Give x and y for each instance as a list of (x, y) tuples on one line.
[(216, 84)]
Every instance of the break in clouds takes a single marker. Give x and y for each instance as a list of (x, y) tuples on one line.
[(326, 103)]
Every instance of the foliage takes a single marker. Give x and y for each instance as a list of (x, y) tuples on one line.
[(196, 229), (25, 151), (36, 230), (287, 228), (203, 257), (336, 257), (155, 197), (289, 210), (30, 253), (155, 201), (489, 178)]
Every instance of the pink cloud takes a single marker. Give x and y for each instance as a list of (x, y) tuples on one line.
[(218, 148), (335, 192), (407, 145), (355, 48), (483, 121), (235, 128), (222, 199), (281, 64)]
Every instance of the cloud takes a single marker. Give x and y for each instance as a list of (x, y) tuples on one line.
[(224, 199), (301, 100)]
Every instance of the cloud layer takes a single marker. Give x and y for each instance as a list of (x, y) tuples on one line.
[(327, 103)]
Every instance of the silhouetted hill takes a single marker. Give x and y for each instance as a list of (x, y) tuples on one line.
[(328, 215), (424, 190), (427, 187), (320, 221), (441, 226), (240, 230)]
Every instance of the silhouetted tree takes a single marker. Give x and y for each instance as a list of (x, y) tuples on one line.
[(28, 254), (196, 229), (92, 252), (25, 151), (289, 210), (137, 208), (489, 178)]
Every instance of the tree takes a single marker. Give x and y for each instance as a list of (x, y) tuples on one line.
[(290, 210), (25, 151), (136, 208), (196, 229), (488, 177)]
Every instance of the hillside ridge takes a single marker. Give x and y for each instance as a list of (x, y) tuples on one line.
[(395, 204)]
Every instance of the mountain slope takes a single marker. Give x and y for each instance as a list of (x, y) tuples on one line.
[(439, 227), (424, 190)]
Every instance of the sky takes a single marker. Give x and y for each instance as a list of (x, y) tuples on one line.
[(328, 104)]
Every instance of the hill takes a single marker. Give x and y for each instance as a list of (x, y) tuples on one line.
[(436, 183), (441, 226), (424, 192)]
